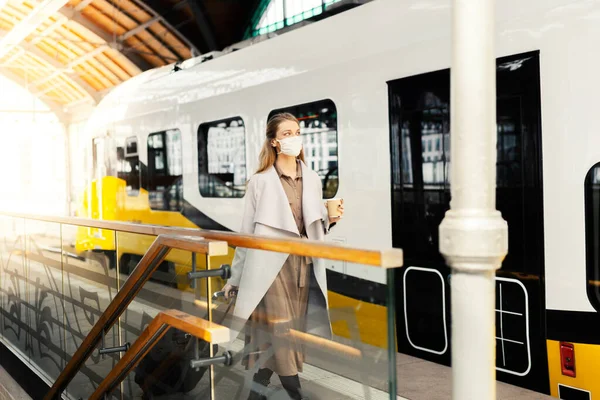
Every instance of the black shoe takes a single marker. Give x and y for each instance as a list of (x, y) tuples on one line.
[(256, 396), (259, 387)]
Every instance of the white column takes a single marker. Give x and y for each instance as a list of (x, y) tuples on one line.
[(473, 235)]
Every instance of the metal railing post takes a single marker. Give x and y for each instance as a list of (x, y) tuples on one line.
[(473, 235)]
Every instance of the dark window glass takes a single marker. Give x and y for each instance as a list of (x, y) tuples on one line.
[(222, 158), (131, 148), (421, 174), (128, 165), (592, 234), (165, 170), (318, 125)]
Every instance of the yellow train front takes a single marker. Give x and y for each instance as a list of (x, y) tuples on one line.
[(110, 199)]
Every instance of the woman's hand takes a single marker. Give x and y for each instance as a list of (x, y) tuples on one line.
[(341, 210), (228, 289)]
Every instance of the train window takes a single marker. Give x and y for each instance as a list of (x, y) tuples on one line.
[(592, 234), (318, 124), (222, 158), (128, 165), (420, 115), (165, 170)]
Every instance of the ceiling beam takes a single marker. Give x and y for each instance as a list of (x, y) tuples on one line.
[(49, 88), (76, 16), (46, 32), (12, 58), (83, 5), (203, 24), (72, 64), (29, 24), (155, 8), (138, 29), (58, 66)]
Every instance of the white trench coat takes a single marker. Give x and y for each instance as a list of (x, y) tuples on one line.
[(267, 213)]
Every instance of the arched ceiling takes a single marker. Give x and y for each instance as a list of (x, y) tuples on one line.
[(70, 53)]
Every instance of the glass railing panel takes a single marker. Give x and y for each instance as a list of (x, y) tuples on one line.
[(167, 288), (90, 283), (45, 296), (159, 372), (324, 321), (14, 317)]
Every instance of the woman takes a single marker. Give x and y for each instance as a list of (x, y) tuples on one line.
[(283, 199)]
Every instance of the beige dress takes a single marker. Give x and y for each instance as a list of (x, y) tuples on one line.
[(286, 300)]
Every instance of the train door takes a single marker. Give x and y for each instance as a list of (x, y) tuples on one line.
[(420, 154)]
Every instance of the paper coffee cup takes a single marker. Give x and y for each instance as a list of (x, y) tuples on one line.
[(332, 207)]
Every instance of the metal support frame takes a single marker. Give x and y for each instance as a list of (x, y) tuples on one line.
[(225, 359), (54, 26), (473, 235), (223, 272), (256, 16), (12, 58), (103, 36), (154, 7), (194, 266), (56, 66), (79, 60), (138, 28), (29, 24), (103, 350)]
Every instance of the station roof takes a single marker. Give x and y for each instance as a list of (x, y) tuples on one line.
[(70, 53)]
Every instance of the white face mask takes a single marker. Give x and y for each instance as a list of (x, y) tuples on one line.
[(291, 146)]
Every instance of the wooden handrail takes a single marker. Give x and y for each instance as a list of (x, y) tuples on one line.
[(389, 258), (200, 328), (147, 265)]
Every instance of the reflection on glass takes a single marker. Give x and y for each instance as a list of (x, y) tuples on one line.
[(49, 308), (13, 285), (165, 371), (128, 165), (90, 283), (336, 352), (592, 234), (44, 296), (421, 160), (222, 158), (165, 169)]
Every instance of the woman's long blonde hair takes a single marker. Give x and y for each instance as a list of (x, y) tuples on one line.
[(268, 153)]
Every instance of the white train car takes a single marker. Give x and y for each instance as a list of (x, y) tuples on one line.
[(174, 146)]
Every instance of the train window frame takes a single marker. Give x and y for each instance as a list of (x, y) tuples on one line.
[(154, 174), (206, 178), (322, 104), (134, 191), (592, 234)]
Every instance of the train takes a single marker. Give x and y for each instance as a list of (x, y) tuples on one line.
[(175, 145)]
